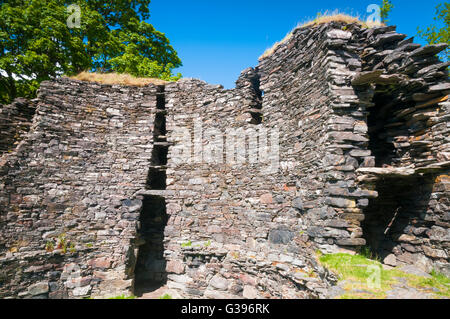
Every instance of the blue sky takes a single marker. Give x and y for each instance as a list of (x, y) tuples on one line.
[(217, 39)]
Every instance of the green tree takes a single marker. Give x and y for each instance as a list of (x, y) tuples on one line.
[(440, 31), (37, 44), (386, 8)]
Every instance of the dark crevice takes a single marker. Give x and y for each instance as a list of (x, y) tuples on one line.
[(257, 116), (156, 179), (249, 82), (150, 271), (157, 176), (377, 119), (160, 98)]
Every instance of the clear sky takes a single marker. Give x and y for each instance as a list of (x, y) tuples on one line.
[(217, 39)]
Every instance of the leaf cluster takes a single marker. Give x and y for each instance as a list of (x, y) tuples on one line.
[(37, 44)]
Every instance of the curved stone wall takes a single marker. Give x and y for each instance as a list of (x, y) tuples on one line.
[(337, 140)]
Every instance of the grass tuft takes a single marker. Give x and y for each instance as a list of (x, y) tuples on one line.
[(123, 297)]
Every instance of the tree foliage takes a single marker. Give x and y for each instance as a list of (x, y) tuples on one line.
[(37, 44), (440, 31), (386, 8)]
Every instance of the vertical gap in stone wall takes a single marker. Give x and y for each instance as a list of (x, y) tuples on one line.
[(377, 119), (256, 111), (150, 273), (156, 179)]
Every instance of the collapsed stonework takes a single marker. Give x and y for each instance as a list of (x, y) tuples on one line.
[(115, 190)]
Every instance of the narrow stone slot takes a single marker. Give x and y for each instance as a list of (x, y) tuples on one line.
[(150, 273), (249, 84), (156, 179), (150, 270), (160, 98), (256, 112), (377, 119)]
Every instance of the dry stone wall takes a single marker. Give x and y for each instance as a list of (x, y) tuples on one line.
[(408, 131), (75, 173), (235, 228), (15, 122), (337, 140)]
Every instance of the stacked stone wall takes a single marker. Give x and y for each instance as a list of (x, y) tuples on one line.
[(337, 140)]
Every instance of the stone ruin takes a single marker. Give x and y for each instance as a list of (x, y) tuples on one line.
[(104, 189)]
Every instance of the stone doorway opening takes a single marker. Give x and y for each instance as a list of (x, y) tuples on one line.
[(395, 220), (150, 271), (396, 217)]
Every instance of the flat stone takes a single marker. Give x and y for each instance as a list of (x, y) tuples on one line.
[(266, 199), (388, 38), (351, 242), (390, 260), (434, 253), (102, 263), (336, 223), (82, 291), (180, 279), (431, 49), (218, 282), (38, 288), (175, 266), (280, 236), (348, 136), (367, 77), (392, 171), (339, 34), (340, 202), (250, 292), (439, 87), (406, 238), (214, 294), (297, 203), (411, 269)]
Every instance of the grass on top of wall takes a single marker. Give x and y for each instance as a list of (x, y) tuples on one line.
[(322, 18), (116, 78)]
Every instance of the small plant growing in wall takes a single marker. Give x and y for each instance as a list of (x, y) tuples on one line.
[(166, 296), (186, 244), (62, 243), (235, 254), (208, 243), (49, 246), (72, 248)]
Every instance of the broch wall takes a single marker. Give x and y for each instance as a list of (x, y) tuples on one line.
[(337, 140)]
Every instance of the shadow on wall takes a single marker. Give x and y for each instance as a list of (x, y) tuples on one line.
[(150, 271), (399, 210)]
